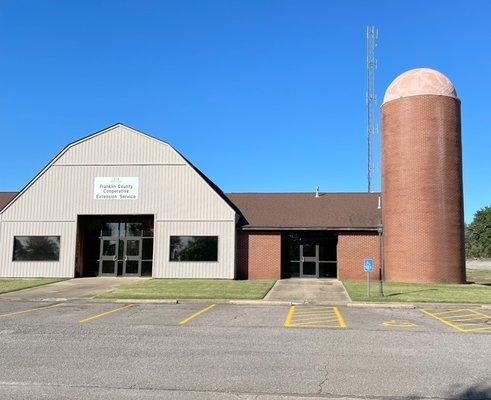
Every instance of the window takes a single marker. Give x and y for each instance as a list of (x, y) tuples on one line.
[(36, 248), (194, 248)]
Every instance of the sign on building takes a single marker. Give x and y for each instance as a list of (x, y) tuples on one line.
[(115, 188)]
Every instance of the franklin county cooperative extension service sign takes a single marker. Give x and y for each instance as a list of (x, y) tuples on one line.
[(110, 188)]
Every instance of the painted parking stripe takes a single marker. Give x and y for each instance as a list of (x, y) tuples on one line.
[(342, 324), (466, 320), (102, 314), (314, 317), (197, 313), (29, 310)]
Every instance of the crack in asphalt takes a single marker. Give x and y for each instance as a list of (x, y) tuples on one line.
[(324, 380)]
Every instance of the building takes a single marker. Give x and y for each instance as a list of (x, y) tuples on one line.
[(423, 213), (145, 210), (120, 202)]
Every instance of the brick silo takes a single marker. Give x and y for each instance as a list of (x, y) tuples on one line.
[(422, 208)]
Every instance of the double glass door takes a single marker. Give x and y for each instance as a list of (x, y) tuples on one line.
[(120, 256)]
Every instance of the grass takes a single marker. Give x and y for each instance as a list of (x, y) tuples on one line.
[(192, 289), (12, 285), (420, 292), (479, 275)]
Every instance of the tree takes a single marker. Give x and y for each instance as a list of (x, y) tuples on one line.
[(478, 235)]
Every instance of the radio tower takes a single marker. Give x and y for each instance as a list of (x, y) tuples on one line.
[(371, 99)]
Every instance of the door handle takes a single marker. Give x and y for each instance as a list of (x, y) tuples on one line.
[(126, 258), (303, 259), (114, 258)]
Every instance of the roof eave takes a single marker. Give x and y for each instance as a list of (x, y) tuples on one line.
[(308, 228)]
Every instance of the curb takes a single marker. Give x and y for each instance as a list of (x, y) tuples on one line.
[(261, 302), (381, 305), (141, 301), (353, 304)]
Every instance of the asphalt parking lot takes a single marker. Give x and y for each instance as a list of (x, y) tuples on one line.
[(93, 350)]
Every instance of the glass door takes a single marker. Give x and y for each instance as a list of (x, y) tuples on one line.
[(132, 256), (108, 258), (309, 260)]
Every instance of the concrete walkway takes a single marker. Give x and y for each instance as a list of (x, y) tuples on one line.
[(72, 289), (308, 291)]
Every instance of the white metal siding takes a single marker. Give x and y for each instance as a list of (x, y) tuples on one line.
[(170, 192), (177, 269), (169, 188), (20, 269), (120, 145)]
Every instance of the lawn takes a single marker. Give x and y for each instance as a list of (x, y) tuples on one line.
[(192, 289), (12, 285), (479, 275), (420, 292)]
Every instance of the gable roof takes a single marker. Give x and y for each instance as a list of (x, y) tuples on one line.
[(214, 187), (336, 211), (5, 198)]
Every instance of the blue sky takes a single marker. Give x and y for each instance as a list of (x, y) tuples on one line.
[(260, 95)]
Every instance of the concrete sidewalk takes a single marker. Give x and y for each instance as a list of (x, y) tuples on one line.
[(72, 289), (308, 291)]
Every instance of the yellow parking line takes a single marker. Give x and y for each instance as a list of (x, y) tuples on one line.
[(342, 324), (299, 317), (485, 329), (470, 319), (29, 310), (186, 320), (442, 320), (458, 316), (104, 313), (301, 312), (314, 321), (319, 321), (289, 316), (450, 311)]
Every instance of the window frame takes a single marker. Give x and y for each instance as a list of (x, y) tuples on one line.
[(198, 236), (36, 261)]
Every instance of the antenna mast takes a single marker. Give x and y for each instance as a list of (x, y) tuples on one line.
[(371, 99)]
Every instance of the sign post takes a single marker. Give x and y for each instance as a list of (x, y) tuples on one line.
[(368, 267)]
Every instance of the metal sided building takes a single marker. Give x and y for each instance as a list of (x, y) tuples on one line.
[(118, 202), (122, 203)]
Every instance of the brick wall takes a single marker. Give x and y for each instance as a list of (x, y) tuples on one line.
[(353, 248), (258, 255)]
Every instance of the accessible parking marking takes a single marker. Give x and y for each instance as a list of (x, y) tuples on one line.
[(395, 323), (462, 319), (197, 313), (29, 310), (314, 317), (102, 314)]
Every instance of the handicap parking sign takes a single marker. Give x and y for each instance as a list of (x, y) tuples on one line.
[(368, 264)]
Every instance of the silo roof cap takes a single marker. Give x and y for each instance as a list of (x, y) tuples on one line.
[(420, 81)]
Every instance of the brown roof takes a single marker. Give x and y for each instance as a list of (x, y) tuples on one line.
[(5, 198), (304, 210)]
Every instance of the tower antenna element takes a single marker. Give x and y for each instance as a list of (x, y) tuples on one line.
[(371, 99)]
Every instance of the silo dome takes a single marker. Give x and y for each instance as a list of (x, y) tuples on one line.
[(420, 81)]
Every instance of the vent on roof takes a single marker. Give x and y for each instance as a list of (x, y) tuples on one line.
[(317, 191)]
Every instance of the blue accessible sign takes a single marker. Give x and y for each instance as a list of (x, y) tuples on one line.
[(368, 265)]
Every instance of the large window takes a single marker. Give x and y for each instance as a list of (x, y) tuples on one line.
[(36, 248), (194, 248)]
